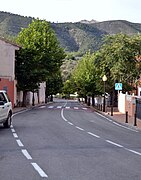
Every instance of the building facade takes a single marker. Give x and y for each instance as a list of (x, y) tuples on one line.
[(7, 68)]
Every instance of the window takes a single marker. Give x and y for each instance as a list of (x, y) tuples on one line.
[(2, 97)]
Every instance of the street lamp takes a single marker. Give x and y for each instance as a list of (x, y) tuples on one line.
[(104, 78)]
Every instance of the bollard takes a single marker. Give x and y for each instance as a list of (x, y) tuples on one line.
[(112, 110), (101, 107), (135, 120), (126, 121)]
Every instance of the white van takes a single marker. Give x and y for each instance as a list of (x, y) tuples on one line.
[(5, 109)]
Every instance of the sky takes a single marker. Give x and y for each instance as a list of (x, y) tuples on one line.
[(75, 10)]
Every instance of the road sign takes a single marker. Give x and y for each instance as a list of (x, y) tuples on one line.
[(118, 86)]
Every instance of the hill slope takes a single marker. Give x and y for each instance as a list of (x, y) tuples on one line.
[(78, 37)]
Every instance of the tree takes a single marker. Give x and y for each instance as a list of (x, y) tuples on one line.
[(117, 59), (40, 56), (85, 76), (54, 84)]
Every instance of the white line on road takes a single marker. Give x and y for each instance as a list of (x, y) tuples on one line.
[(67, 107), (79, 128), (76, 108), (50, 107), (116, 123), (135, 152), (19, 113), (15, 135), (63, 116), (93, 135), (19, 143), (41, 107), (124, 127), (85, 108), (70, 123), (26, 154), (59, 107), (39, 170), (111, 142), (13, 130)]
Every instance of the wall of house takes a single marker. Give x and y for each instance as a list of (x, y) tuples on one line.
[(42, 92), (126, 103), (8, 85), (7, 59), (7, 69), (121, 102), (38, 97)]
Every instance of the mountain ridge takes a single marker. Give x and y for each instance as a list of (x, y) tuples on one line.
[(73, 37)]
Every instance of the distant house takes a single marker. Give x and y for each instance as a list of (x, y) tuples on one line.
[(7, 75), (7, 68)]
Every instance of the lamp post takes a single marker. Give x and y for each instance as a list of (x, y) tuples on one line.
[(104, 78)]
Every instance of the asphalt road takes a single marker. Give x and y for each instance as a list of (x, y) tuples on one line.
[(66, 141)]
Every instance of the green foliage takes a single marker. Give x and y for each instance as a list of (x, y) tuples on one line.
[(54, 84), (117, 59), (40, 57), (68, 88), (85, 75)]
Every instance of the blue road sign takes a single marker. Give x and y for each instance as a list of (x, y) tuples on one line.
[(118, 86)]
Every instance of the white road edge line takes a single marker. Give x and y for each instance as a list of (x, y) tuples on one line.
[(93, 135), (79, 128), (13, 130), (19, 143), (19, 113), (111, 142), (26, 154), (15, 135), (116, 123), (39, 170)]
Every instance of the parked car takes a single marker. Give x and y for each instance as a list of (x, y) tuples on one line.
[(5, 109)]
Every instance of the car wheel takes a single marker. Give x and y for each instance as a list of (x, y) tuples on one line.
[(7, 123)]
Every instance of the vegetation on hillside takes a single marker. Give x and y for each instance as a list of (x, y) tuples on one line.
[(73, 37)]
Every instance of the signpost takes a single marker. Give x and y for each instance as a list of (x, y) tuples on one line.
[(118, 86)]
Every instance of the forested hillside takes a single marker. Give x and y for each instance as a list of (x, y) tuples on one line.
[(74, 37)]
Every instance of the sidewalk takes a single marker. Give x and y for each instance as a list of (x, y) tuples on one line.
[(121, 118), (19, 109)]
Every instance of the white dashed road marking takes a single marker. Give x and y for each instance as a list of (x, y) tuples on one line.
[(76, 108), (26, 154), (13, 130), (67, 107), (111, 142), (70, 123), (59, 107), (50, 107), (19, 143), (79, 128), (39, 170), (92, 134), (15, 135)]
